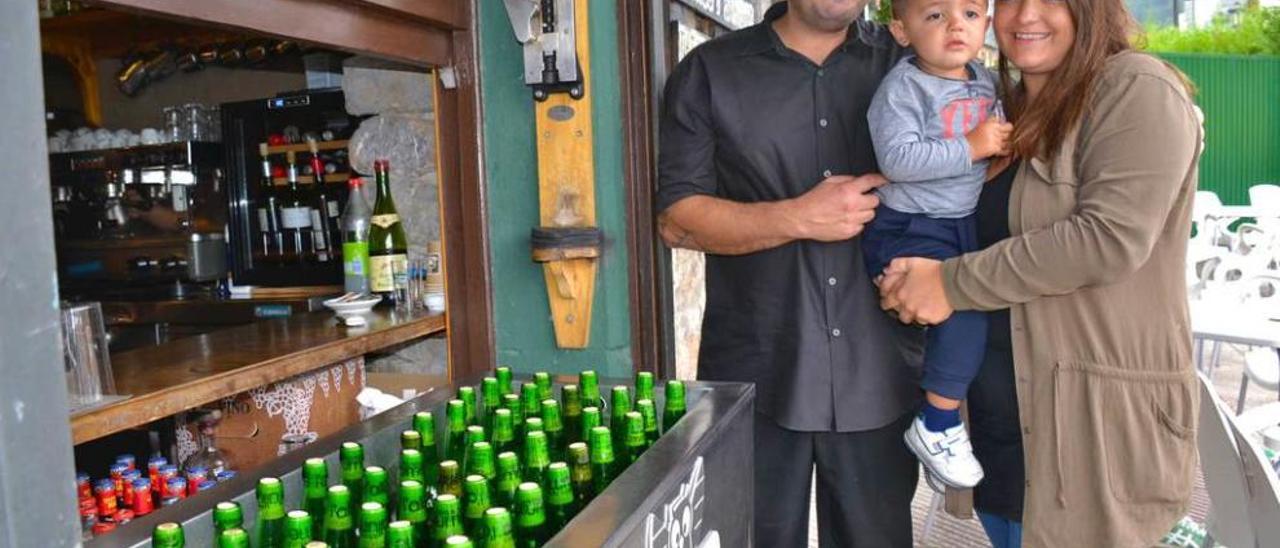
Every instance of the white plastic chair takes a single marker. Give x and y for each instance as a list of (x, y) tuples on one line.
[(1261, 367), (1243, 488)]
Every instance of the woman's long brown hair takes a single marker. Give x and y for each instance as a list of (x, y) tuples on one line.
[(1103, 28)]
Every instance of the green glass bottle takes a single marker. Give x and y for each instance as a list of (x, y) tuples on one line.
[(633, 442), (503, 431), (425, 423), (233, 538), (531, 424), (496, 530), (590, 419), (227, 515), (620, 405), (448, 518), (450, 478), (580, 474), (475, 501), (553, 425), (414, 507), (504, 487), (571, 403), (468, 396), (456, 413), (644, 386), (376, 486), (511, 402), (674, 408), (388, 248), (269, 531), (474, 434), (650, 415), (351, 461), (339, 527), (530, 403), (315, 481), (411, 439), (411, 465), (542, 380), (459, 541), (504, 380), (490, 399), (603, 466), (590, 384), (482, 461), (536, 458), (401, 534), (560, 500), (168, 535), (373, 525), (298, 527), (531, 517)]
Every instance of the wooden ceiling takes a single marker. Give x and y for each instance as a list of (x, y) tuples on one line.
[(417, 32)]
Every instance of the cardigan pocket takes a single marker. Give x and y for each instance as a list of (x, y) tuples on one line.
[(1133, 431)]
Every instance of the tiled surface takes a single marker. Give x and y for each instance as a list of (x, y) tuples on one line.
[(954, 533)]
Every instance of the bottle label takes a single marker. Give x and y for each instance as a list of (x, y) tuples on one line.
[(262, 220), (333, 208), (355, 258), (386, 220), (295, 217), (386, 270)]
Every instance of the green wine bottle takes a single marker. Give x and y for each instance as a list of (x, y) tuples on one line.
[(571, 404), (270, 526), (315, 481), (456, 414), (339, 529), (388, 247)]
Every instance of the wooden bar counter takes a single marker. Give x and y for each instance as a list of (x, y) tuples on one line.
[(186, 373)]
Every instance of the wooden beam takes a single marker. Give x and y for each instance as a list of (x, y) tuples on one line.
[(443, 13), (648, 343), (465, 233), (339, 24)]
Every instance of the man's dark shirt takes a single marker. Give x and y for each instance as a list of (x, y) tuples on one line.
[(749, 120)]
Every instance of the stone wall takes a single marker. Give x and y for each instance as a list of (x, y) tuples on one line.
[(401, 129)]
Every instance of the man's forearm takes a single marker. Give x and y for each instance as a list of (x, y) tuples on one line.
[(724, 227)]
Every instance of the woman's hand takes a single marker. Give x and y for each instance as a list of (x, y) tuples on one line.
[(912, 286)]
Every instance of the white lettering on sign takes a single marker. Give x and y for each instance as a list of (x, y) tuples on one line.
[(679, 522)]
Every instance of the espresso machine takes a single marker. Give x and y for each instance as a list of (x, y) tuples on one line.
[(140, 222)]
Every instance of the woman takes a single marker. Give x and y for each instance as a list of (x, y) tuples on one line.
[(1097, 345)]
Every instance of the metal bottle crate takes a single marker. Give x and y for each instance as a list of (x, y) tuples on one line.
[(692, 488)]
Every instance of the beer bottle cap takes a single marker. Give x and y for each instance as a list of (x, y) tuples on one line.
[(572, 399), (456, 413), (481, 460), (504, 379), (579, 453), (542, 380), (503, 428), (601, 445), (533, 424), (559, 482), (425, 423), (410, 439), (490, 394), (635, 429), (233, 538), (270, 498), (551, 416), (644, 385), (535, 450), (529, 511)]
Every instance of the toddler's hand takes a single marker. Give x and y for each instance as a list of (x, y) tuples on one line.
[(990, 138)]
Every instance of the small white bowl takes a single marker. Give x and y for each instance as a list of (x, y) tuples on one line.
[(353, 312)]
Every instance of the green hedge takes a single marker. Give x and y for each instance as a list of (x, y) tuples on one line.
[(1258, 33)]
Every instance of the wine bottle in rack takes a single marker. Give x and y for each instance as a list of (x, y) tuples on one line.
[(296, 214)]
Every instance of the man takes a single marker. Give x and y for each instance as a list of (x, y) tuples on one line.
[(766, 164)]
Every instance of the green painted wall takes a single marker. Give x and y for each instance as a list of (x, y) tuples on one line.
[(1240, 97), (525, 336)]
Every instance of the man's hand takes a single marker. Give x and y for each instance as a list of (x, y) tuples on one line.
[(912, 286), (836, 209), (990, 138)]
